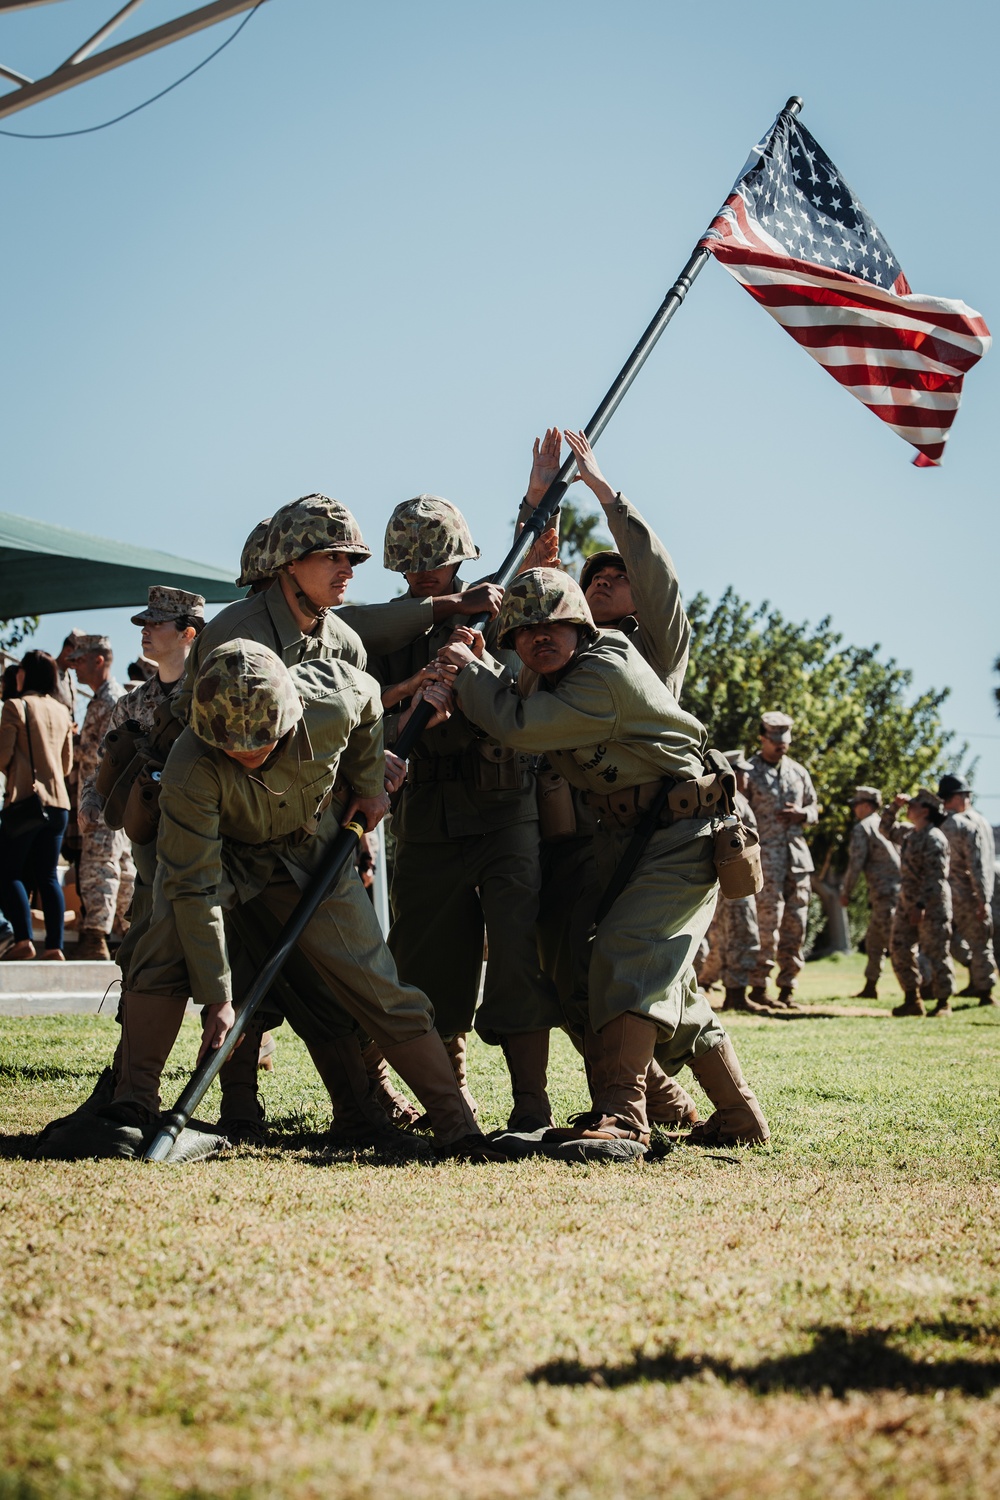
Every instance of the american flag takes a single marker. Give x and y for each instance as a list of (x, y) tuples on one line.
[(796, 236)]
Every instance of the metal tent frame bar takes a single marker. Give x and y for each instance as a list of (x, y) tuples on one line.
[(88, 62)]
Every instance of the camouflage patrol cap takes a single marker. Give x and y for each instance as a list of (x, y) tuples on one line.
[(315, 523), (866, 794), (738, 760), (90, 645), (253, 568), (598, 560), (926, 798), (243, 698), (170, 604), (540, 595), (775, 720), (950, 785), (425, 533)]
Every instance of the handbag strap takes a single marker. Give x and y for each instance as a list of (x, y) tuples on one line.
[(31, 748)]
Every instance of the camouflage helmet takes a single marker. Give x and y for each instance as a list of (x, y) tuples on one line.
[(539, 595), (243, 698), (313, 524), (253, 568), (424, 533), (598, 560)]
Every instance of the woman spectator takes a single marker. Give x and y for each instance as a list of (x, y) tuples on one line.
[(36, 754)]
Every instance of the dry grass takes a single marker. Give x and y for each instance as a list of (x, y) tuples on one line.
[(816, 1319)]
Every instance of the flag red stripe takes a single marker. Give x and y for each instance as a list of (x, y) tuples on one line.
[(819, 336)]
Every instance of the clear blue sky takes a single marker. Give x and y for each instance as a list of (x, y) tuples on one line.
[(373, 249)]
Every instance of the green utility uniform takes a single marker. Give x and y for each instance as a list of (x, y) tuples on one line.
[(466, 829), (348, 634), (614, 730), (230, 838), (660, 632)]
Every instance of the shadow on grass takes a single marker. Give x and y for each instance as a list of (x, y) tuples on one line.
[(839, 1361)]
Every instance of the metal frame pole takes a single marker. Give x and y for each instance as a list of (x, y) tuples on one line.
[(553, 496)]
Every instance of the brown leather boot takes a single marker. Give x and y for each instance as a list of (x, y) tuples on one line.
[(943, 1008), (457, 1049), (527, 1055), (357, 1119), (397, 1108), (667, 1103), (150, 1024), (738, 1119), (92, 946), (784, 999), (870, 991), (912, 1005), (758, 994), (736, 999), (426, 1068), (618, 1058), (986, 997)]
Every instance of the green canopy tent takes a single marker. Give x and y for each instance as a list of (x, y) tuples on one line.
[(49, 569)]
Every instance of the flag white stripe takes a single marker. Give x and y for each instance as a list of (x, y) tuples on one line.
[(888, 359)]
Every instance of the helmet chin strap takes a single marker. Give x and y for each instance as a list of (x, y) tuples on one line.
[(318, 611)]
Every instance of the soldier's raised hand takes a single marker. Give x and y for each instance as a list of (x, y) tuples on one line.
[(590, 471), (463, 647), (545, 457)]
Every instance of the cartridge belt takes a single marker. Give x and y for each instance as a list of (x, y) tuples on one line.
[(699, 798), (459, 767)]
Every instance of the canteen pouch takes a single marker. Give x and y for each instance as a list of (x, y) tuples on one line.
[(118, 756), (142, 810), (736, 855), (497, 768), (556, 812)]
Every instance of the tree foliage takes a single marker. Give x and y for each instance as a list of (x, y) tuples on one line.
[(13, 632), (853, 723)]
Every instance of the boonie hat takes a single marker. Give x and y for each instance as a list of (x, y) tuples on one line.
[(169, 604)]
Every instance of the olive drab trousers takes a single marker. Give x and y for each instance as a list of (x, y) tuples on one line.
[(445, 897), (642, 958)]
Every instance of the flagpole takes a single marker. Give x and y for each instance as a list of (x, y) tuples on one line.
[(553, 496)]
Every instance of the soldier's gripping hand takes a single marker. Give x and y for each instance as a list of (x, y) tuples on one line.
[(372, 809), (463, 647), (216, 1024), (395, 772), (441, 698), (481, 599)]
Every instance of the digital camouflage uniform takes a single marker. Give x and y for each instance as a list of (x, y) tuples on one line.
[(923, 912), (872, 853), (232, 838), (971, 877), (734, 936), (107, 871), (783, 904), (466, 829)]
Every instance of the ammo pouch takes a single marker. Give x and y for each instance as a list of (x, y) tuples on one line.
[(496, 768), (556, 812), (737, 859), (142, 810)]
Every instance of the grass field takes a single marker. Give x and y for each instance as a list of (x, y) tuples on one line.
[(817, 1318)]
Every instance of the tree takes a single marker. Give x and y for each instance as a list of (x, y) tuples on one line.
[(853, 725), (580, 535), (13, 632)]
